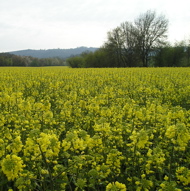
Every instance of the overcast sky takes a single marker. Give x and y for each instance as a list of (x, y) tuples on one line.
[(48, 24)]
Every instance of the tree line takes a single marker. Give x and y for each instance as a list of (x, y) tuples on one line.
[(142, 43), (7, 59)]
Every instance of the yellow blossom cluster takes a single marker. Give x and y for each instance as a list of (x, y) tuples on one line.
[(94, 129), (12, 165)]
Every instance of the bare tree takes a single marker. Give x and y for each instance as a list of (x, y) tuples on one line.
[(129, 46), (151, 32), (188, 53), (114, 45), (133, 43)]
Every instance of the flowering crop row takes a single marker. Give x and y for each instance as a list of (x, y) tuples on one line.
[(94, 129)]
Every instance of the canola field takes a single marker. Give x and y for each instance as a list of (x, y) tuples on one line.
[(94, 129)]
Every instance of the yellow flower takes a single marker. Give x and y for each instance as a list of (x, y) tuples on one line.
[(12, 165), (2, 147), (183, 174), (17, 145), (166, 178), (116, 186)]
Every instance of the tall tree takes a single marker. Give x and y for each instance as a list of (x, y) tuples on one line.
[(188, 53), (129, 47), (114, 46), (151, 32), (133, 43)]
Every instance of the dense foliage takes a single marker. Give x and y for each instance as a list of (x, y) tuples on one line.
[(95, 129), (142, 43), (7, 59), (177, 55)]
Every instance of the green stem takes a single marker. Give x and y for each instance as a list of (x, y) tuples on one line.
[(133, 171), (171, 160), (47, 166)]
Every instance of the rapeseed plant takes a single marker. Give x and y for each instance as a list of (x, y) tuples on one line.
[(95, 129)]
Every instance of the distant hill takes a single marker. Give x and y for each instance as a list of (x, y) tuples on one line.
[(52, 53)]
